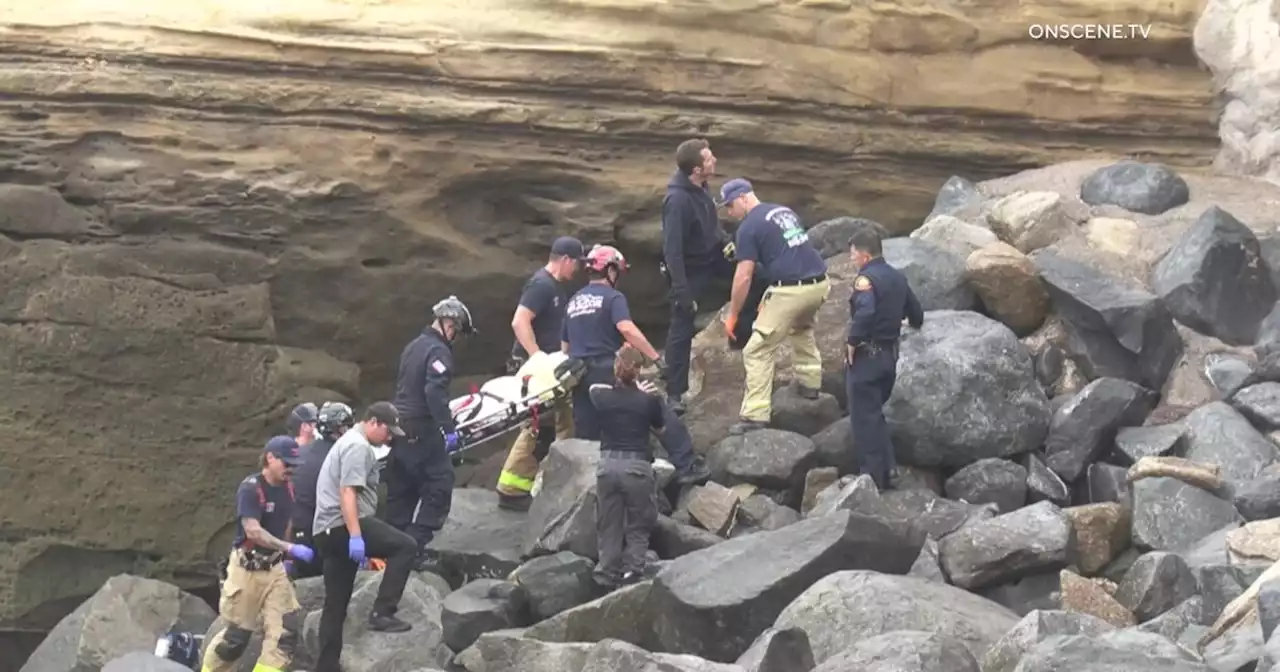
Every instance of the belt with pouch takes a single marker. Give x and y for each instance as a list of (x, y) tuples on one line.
[(626, 455), (875, 347), (257, 560), (800, 283)]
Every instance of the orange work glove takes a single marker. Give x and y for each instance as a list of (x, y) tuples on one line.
[(730, 326)]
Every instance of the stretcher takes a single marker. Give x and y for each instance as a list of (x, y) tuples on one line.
[(507, 403)]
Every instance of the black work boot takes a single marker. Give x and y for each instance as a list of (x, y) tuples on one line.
[(677, 404), (387, 623), (696, 474), (514, 502)]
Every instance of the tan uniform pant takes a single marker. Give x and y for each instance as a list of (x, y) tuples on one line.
[(786, 314), (521, 467), (246, 597)]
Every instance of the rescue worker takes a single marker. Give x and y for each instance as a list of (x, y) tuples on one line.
[(626, 510), (256, 587), (347, 532), (333, 420), (597, 322), (420, 474), (537, 324), (302, 423), (881, 298), (772, 242), (695, 252)]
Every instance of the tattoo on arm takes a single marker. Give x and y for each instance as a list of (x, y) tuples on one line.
[(254, 532)]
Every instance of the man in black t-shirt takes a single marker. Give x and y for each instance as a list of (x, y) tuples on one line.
[(537, 324), (257, 587)]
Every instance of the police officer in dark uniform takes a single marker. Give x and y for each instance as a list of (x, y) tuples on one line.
[(881, 298), (331, 422), (419, 472)]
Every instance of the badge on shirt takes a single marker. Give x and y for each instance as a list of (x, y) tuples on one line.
[(438, 366), (270, 507), (862, 283)]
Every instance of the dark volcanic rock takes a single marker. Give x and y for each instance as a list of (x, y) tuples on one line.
[(715, 602), (779, 650), (479, 540), (1259, 498), (1260, 404), (834, 445), (965, 390), (1269, 608), (990, 481), (1169, 515), (1148, 188), (1217, 434), (1084, 428), (1157, 582), (554, 583), (806, 417), (831, 236), (1103, 483), (1135, 443), (929, 512), (672, 538), (563, 515), (904, 650), (848, 607), (1228, 372), (1031, 540), (936, 275), (769, 458), (1115, 330), (1044, 485), (623, 614), (484, 605), (927, 564), (1023, 596), (1215, 280)]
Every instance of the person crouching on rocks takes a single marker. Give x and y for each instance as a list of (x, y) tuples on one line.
[(257, 586), (626, 509)]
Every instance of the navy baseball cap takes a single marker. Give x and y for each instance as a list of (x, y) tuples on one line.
[(301, 415), (568, 246), (733, 189), (284, 448)]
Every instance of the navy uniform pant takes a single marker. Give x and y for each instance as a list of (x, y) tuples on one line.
[(868, 383), (702, 285), (599, 371), (420, 482)]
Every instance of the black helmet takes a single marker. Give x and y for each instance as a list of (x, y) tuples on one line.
[(334, 418), (452, 308)]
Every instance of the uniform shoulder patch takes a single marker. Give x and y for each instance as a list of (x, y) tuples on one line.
[(862, 283), (438, 366)]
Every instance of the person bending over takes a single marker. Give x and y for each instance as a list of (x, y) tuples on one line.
[(626, 510)]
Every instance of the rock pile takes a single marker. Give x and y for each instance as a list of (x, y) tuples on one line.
[(1083, 427)]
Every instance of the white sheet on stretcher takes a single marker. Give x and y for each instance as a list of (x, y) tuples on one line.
[(496, 394)]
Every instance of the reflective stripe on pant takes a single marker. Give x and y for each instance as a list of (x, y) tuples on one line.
[(786, 314), (521, 467), (626, 511), (246, 596)]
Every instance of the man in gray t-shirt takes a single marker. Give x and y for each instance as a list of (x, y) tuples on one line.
[(346, 532)]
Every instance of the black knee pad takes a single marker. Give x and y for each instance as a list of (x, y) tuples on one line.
[(292, 625), (234, 642)]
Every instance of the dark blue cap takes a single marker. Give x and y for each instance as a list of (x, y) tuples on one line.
[(568, 246), (284, 448), (733, 189)]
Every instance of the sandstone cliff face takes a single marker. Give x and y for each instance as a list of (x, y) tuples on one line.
[(214, 210), (1240, 42)]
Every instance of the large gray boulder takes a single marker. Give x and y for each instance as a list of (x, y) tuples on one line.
[(1215, 279), (507, 651), (1260, 403), (904, 650), (126, 614), (1259, 499), (956, 196), (1169, 515), (1157, 582), (1084, 428), (1034, 628), (1119, 651), (990, 481), (1032, 540), (1147, 188), (778, 650), (484, 605), (848, 607), (713, 603), (1218, 434), (554, 583), (479, 540), (772, 459), (1114, 329), (966, 390), (365, 650), (937, 276), (563, 515), (624, 614), (143, 661)]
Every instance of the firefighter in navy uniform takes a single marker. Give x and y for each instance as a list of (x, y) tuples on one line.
[(332, 421), (419, 473), (256, 588), (881, 298)]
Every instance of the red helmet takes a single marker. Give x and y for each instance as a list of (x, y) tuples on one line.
[(601, 257)]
